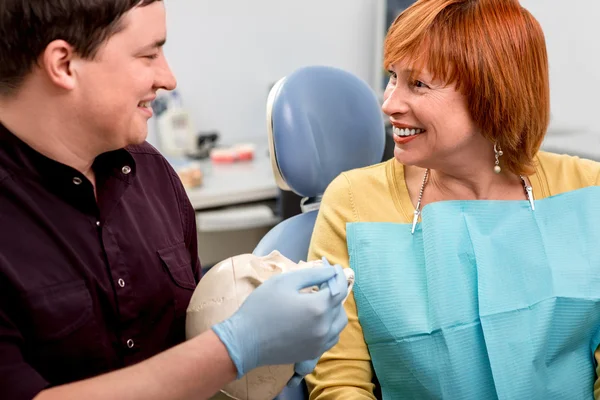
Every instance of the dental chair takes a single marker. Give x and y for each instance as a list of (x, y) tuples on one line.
[(321, 122)]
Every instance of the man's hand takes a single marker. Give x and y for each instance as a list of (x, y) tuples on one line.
[(277, 324)]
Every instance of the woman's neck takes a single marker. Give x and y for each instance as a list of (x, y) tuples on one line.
[(476, 184)]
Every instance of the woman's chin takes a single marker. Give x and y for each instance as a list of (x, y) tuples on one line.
[(405, 157)]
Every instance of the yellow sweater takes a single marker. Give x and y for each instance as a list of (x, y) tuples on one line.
[(379, 194)]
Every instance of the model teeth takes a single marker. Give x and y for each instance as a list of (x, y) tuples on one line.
[(145, 104), (406, 131)]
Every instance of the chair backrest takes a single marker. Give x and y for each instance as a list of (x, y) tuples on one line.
[(321, 122)]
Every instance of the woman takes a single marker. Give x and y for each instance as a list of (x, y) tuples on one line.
[(474, 297)]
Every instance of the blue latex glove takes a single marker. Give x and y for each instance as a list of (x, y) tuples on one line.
[(302, 369), (279, 325)]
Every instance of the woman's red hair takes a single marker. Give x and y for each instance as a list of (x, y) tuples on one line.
[(495, 52)]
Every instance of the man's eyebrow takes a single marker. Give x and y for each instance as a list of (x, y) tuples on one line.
[(156, 45)]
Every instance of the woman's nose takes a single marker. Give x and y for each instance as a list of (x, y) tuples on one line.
[(394, 102)]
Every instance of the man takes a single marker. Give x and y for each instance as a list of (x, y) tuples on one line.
[(98, 252)]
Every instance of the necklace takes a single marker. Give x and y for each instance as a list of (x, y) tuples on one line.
[(417, 213)]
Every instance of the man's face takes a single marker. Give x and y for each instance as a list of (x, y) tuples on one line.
[(114, 90)]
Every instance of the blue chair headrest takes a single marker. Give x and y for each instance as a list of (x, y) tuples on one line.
[(322, 121)]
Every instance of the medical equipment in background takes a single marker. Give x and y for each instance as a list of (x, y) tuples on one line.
[(226, 155), (176, 133)]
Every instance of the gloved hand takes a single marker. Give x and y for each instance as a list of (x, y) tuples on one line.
[(302, 369), (279, 325)]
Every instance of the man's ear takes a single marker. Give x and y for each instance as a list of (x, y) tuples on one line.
[(58, 62)]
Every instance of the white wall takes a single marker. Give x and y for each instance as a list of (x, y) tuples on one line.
[(572, 30), (226, 54)]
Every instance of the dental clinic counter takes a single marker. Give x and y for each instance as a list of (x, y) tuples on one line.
[(234, 183), (236, 205), (228, 184)]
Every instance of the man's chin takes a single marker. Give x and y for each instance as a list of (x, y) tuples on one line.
[(139, 137), (139, 140)]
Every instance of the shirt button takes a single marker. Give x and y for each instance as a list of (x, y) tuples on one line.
[(126, 169), (77, 180), (121, 282), (130, 343)]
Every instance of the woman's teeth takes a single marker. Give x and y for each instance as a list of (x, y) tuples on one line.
[(406, 132), (144, 104)]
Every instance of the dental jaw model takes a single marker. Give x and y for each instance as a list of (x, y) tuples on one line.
[(219, 295)]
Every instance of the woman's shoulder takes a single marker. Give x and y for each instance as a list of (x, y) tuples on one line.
[(369, 190), (371, 177), (375, 172), (564, 172)]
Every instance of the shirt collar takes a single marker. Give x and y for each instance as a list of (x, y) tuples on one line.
[(17, 156)]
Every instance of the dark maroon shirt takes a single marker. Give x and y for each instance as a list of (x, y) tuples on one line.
[(89, 286)]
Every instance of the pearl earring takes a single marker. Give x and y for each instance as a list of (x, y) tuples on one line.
[(498, 152)]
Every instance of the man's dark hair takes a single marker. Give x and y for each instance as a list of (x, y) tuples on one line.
[(28, 26)]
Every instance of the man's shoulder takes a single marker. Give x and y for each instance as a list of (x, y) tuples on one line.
[(154, 170), (144, 148), (4, 175), (147, 155)]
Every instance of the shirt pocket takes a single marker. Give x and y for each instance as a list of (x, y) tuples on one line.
[(63, 338), (58, 311), (178, 263)]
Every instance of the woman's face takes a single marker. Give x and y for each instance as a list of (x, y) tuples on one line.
[(432, 125)]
